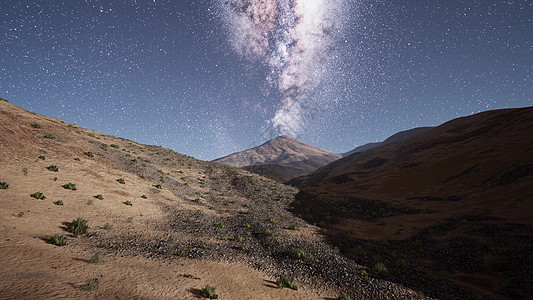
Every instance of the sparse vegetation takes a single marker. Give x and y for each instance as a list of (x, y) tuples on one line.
[(121, 181), (208, 292), (59, 202), (379, 269), (270, 232), (58, 240), (272, 220), (297, 253), (221, 225), (344, 296), (294, 227), (363, 273), (157, 186), (69, 186), (49, 136), (238, 239), (287, 282), (42, 157), (114, 146), (90, 286), (38, 195), (402, 263), (89, 154), (244, 248), (78, 226), (99, 197), (128, 203), (144, 197), (53, 168), (3, 185), (95, 260), (35, 125)]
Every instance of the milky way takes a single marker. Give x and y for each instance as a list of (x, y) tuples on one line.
[(295, 39)]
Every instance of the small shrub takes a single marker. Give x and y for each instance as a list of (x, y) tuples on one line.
[(58, 240), (78, 226), (208, 292), (287, 281), (402, 263), (221, 225), (59, 202), (35, 125), (127, 203), (144, 197), (3, 185), (38, 195), (121, 181), (95, 260), (270, 232), (297, 253), (244, 248), (90, 154), (69, 186), (246, 225), (42, 157), (49, 136), (344, 296), (114, 146), (397, 232), (107, 226), (91, 134), (500, 251), (53, 168), (203, 246), (181, 253), (77, 159), (157, 186), (294, 227), (380, 269), (238, 239), (103, 147), (99, 197), (91, 285), (363, 273), (272, 220)]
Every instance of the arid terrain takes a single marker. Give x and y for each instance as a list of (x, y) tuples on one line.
[(161, 225), (449, 206), (281, 159)]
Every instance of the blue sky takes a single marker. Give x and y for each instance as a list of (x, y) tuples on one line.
[(181, 73)]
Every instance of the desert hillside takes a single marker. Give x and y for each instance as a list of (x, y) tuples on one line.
[(451, 204), (393, 138), (282, 159), (161, 225)]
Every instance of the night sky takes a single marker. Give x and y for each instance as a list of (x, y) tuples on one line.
[(208, 78)]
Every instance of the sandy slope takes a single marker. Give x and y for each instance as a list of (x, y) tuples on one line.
[(33, 269)]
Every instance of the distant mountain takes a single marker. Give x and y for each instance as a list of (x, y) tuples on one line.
[(393, 138), (282, 158), (457, 197)]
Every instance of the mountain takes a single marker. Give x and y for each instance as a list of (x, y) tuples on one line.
[(393, 138), (161, 225), (457, 199), (282, 158)]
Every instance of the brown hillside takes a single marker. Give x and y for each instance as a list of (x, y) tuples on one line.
[(461, 193), (173, 225)]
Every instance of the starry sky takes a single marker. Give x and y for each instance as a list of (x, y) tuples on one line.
[(212, 77)]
